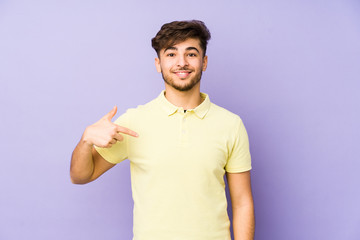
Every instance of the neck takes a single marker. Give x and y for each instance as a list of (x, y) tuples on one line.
[(186, 99)]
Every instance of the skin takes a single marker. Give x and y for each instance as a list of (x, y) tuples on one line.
[(86, 163), (181, 66), (242, 205)]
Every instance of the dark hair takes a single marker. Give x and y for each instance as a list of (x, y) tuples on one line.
[(178, 31)]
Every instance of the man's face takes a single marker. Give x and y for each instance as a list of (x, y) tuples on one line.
[(182, 65)]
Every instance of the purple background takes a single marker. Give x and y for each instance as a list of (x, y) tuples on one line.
[(290, 69)]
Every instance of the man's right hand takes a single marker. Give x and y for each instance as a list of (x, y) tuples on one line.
[(104, 133)]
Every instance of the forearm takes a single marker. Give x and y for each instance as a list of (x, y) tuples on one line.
[(244, 222), (86, 162), (82, 164)]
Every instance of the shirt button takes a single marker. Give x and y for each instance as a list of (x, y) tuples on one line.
[(184, 131)]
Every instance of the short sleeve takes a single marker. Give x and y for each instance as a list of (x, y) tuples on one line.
[(239, 159), (119, 151)]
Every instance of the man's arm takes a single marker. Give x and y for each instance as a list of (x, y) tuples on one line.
[(86, 162), (242, 205)]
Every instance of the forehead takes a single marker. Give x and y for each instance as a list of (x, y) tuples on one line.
[(184, 45)]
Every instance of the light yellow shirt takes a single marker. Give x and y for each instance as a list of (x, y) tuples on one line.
[(177, 167)]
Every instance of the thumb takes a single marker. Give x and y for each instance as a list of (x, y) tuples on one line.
[(111, 114)]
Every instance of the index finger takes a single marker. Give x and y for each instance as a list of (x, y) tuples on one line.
[(126, 131)]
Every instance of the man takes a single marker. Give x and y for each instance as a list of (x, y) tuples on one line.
[(179, 145)]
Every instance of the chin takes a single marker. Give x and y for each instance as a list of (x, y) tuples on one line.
[(182, 85)]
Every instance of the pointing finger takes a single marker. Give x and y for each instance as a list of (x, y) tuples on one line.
[(126, 131)]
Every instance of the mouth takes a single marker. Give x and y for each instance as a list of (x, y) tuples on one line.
[(182, 73)]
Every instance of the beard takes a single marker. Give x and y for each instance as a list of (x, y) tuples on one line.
[(182, 87)]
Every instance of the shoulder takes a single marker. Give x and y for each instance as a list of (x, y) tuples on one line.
[(222, 114), (228, 125), (144, 108), (139, 111)]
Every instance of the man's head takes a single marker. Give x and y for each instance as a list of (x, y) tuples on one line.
[(181, 48), (178, 31)]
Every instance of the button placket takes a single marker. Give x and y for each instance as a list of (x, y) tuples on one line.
[(184, 132), (184, 124)]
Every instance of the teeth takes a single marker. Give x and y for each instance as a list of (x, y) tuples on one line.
[(182, 74)]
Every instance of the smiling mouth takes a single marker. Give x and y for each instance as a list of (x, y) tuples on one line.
[(182, 74)]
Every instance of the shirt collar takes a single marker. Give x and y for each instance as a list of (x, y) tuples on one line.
[(200, 111)]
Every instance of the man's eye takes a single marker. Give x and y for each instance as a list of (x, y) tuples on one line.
[(170, 55), (192, 55)]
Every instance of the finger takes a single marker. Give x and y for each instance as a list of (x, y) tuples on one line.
[(109, 145), (118, 137), (111, 114), (114, 141), (126, 131)]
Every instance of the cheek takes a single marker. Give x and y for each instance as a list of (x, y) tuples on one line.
[(166, 66), (199, 65)]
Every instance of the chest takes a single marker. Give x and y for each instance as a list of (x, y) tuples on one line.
[(181, 143)]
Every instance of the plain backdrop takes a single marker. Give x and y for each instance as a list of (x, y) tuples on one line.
[(290, 69)]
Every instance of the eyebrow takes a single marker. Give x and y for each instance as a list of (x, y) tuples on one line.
[(187, 49)]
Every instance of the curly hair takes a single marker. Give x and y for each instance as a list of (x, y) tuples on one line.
[(178, 31)]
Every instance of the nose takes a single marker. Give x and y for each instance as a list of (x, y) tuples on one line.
[(182, 61)]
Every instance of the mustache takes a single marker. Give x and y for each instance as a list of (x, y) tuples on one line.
[(183, 69)]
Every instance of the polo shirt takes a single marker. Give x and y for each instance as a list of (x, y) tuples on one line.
[(177, 168)]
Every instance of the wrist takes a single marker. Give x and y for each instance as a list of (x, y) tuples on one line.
[(85, 139)]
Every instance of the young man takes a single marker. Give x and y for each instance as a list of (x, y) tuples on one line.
[(179, 145)]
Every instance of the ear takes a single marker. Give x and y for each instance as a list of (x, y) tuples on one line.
[(205, 61), (157, 65)]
